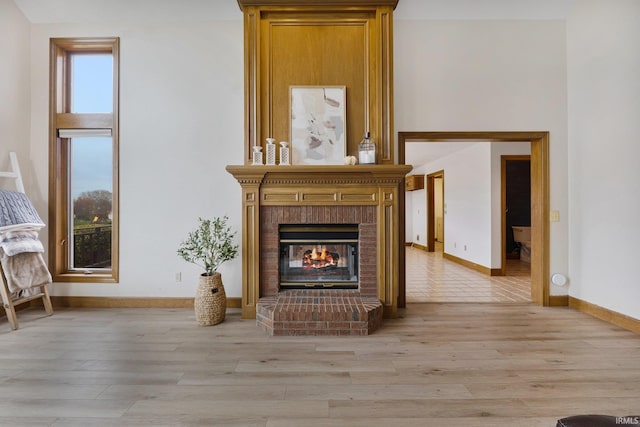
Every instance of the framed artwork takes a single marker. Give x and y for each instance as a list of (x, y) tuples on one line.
[(318, 125)]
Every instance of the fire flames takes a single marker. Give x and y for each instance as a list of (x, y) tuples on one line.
[(319, 259)]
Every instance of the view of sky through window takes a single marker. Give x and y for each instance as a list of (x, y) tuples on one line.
[(92, 83), (92, 167), (92, 92)]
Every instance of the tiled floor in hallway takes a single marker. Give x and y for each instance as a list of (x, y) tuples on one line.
[(431, 278)]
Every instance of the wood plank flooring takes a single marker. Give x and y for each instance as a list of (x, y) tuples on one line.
[(476, 365)]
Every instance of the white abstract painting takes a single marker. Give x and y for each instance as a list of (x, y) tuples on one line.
[(318, 125)]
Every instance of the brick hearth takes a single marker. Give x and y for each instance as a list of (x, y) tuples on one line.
[(319, 312)]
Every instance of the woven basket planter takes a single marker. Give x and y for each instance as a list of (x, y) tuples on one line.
[(210, 302)]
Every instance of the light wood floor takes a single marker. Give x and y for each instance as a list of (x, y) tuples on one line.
[(438, 365)]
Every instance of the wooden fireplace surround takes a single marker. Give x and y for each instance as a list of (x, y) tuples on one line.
[(381, 186), (321, 43)]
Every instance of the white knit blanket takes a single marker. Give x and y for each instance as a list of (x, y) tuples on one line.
[(16, 211)]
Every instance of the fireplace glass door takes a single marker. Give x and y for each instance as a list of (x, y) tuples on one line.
[(319, 256)]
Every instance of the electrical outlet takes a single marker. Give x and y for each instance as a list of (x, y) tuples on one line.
[(465, 247), (554, 216), (455, 245), (178, 277), (417, 237)]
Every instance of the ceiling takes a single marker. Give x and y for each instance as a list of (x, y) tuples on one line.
[(94, 11)]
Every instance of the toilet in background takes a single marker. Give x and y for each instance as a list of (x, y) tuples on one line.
[(522, 235)]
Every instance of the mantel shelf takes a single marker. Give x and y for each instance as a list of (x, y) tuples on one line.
[(343, 171)]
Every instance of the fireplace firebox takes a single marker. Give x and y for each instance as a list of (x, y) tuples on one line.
[(318, 256)]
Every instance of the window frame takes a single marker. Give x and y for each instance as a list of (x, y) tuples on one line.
[(60, 117)]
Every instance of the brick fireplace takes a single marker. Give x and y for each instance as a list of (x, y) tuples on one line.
[(273, 217), (363, 197), (285, 45), (319, 256)]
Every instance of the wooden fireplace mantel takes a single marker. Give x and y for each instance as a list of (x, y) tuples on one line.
[(381, 186), (320, 174)]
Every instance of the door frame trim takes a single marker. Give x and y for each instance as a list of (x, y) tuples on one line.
[(431, 211)]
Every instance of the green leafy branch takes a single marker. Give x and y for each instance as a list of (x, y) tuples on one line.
[(209, 245)]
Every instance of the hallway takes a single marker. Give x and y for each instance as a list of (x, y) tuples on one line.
[(431, 278)]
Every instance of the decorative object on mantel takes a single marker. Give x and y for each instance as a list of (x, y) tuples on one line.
[(257, 155), (318, 124), (209, 246), (350, 160), (271, 151), (284, 153), (367, 150)]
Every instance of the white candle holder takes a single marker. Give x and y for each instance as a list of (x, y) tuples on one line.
[(271, 151), (257, 155), (284, 153)]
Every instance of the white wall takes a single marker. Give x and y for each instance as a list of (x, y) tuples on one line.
[(181, 123), (14, 93), (408, 225), (604, 128), (416, 216), (472, 180), (467, 202), (488, 75)]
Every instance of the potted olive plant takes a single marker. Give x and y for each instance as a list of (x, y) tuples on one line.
[(208, 246)]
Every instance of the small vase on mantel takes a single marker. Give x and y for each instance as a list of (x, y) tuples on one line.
[(284, 153), (271, 151), (257, 155), (367, 150)]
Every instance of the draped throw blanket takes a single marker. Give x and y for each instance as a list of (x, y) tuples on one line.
[(24, 271)]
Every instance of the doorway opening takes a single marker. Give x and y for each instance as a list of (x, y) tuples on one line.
[(539, 164), (515, 206), (435, 211)]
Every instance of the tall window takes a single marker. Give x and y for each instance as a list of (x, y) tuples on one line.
[(83, 159)]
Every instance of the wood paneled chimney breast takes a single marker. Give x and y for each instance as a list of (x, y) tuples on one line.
[(320, 43)]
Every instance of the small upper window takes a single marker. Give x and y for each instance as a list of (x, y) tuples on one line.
[(91, 83)]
